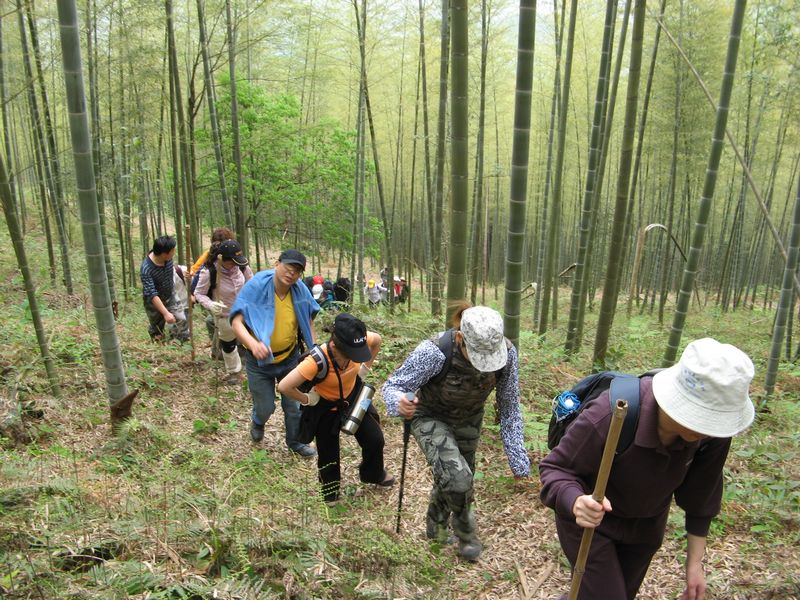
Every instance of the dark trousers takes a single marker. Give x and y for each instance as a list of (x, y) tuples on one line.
[(369, 436), (614, 569)]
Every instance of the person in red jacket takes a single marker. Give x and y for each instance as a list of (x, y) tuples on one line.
[(687, 416)]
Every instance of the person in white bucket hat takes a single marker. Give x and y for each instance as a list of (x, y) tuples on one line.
[(688, 414)]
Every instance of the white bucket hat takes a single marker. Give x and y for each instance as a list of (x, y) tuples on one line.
[(482, 329), (707, 391)]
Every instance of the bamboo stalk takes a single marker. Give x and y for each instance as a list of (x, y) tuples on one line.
[(617, 418)]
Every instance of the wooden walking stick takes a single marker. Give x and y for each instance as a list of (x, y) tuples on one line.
[(188, 281), (617, 418)]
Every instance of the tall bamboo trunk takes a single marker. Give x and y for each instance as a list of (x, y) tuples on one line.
[(52, 196), (611, 287), (437, 266), (476, 263), (90, 220), (242, 208), (526, 39), (573, 343), (15, 233), (216, 138), (459, 155), (689, 273), (550, 279)]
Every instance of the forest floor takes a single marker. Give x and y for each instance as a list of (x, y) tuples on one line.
[(182, 505)]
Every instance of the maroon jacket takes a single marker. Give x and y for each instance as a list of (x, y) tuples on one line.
[(643, 478)]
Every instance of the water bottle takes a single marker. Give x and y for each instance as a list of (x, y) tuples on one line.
[(360, 406), (565, 404)]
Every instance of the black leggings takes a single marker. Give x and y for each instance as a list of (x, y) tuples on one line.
[(369, 436)]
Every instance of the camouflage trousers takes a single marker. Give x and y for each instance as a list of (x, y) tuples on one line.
[(178, 330), (450, 452)]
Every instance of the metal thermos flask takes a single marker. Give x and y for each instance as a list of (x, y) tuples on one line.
[(359, 409)]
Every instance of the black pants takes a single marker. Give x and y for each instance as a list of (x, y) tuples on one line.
[(369, 436)]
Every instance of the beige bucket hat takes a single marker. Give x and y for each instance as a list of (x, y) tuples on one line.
[(707, 391)]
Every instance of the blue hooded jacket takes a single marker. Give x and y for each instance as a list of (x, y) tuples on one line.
[(256, 303)]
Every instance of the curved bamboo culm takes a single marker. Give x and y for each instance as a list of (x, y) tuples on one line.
[(734, 146), (637, 259), (87, 198), (709, 184), (611, 285), (617, 419)]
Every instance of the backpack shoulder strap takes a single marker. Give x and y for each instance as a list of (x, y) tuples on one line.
[(322, 362), (445, 342), (626, 387), (212, 277)]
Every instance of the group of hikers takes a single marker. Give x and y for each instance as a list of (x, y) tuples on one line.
[(687, 415), (377, 291)]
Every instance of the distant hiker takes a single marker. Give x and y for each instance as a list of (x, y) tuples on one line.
[(404, 291), (687, 416), (157, 274), (219, 235), (217, 296), (273, 313), (452, 376), (374, 292), (323, 296), (346, 358), (342, 291)]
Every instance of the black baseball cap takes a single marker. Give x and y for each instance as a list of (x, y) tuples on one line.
[(232, 250), (350, 336), (293, 257)]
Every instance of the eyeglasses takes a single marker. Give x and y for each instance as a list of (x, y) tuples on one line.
[(292, 271)]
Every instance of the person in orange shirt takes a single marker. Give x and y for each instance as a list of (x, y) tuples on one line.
[(349, 354)]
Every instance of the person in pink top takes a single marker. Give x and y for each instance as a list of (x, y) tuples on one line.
[(221, 280)]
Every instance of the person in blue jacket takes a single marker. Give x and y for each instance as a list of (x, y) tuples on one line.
[(271, 315)]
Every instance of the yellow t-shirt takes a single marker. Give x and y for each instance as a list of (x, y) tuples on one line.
[(284, 335), (328, 388)]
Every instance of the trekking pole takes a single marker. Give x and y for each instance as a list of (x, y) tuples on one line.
[(406, 436), (188, 282), (617, 418)]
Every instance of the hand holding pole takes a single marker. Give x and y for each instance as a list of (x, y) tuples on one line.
[(617, 418)]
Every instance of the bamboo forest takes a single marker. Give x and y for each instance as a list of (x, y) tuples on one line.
[(431, 299)]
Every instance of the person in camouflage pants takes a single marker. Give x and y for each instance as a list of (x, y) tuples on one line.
[(442, 387)]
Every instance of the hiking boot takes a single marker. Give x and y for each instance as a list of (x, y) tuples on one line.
[(437, 531), (387, 482), (256, 432), (469, 550), (233, 378), (304, 450)]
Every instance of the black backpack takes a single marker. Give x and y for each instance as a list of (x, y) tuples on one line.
[(212, 274), (623, 386), (446, 342)]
